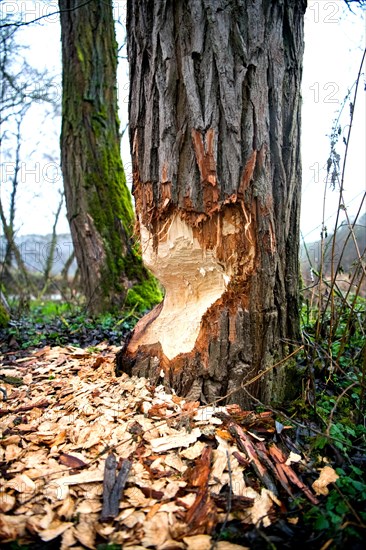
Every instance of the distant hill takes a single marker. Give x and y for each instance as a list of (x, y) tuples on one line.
[(34, 250), (311, 254)]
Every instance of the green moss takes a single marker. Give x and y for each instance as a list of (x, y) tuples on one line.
[(4, 316), (110, 206), (80, 54), (144, 295), (293, 374), (92, 108), (110, 197)]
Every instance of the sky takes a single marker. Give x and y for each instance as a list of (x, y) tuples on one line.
[(334, 43)]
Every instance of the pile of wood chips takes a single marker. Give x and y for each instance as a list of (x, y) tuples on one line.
[(89, 457)]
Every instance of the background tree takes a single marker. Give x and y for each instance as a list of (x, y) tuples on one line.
[(215, 140), (98, 202), (21, 86)]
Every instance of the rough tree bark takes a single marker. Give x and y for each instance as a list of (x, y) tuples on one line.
[(98, 202), (215, 129)]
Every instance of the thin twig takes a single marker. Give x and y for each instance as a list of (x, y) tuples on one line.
[(349, 505), (299, 424), (336, 405), (37, 19), (341, 188)]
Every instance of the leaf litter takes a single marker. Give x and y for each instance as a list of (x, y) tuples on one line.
[(87, 457)]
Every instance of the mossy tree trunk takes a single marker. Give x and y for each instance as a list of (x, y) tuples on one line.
[(215, 136), (98, 201)]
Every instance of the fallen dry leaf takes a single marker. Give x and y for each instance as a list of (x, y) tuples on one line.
[(68, 423), (55, 530), (156, 530), (12, 452), (262, 505), (71, 461), (12, 527), (198, 542), (180, 439), (85, 530), (293, 458), (194, 451), (327, 476), (7, 502)]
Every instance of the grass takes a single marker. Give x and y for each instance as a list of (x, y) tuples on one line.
[(332, 405), (333, 400), (53, 323)]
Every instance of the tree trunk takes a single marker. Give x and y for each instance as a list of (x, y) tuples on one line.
[(98, 202), (215, 138)]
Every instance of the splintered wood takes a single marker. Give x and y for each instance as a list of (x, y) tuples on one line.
[(195, 263), (193, 279), (87, 457)]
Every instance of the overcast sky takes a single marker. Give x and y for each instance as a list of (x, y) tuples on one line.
[(334, 43)]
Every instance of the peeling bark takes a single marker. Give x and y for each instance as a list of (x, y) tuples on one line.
[(214, 131)]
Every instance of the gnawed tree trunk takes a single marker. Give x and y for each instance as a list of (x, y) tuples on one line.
[(98, 202), (215, 129)]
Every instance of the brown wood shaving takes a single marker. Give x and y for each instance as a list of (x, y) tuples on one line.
[(88, 457)]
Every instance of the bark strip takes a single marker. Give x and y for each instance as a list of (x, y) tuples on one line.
[(113, 486), (246, 445)]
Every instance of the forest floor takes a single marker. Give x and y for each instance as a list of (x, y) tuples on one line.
[(89, 459)]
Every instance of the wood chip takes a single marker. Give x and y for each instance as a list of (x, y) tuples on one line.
[(181, 439), (58, 427), (54, 531)]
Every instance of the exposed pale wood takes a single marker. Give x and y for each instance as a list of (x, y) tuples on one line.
[(193, 279)]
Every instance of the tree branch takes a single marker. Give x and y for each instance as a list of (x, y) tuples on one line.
[(24, 23)]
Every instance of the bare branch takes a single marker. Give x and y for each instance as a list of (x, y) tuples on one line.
[(18, 24)]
